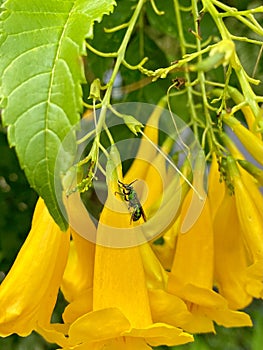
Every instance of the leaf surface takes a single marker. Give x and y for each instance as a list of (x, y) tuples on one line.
[(41, 71)]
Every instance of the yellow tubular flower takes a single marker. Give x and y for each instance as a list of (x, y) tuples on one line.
[(80, 265), (250, 182), (28, 293), (230, 255), (120, 285), (191, 276), (176, 195), (78, 289), (120, 315), (249, 214), (78, 278), (251, 221), (238, 239)]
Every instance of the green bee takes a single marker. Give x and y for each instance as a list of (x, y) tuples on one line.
[(130, 195)]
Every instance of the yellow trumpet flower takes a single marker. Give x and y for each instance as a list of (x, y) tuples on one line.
[(192, 275), (238, 240), (28, 293), (230, 255), (120, 317)]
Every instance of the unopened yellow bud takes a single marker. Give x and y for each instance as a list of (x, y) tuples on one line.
[(250, 141)]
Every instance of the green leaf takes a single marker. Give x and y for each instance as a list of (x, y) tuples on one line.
[(42, 71)]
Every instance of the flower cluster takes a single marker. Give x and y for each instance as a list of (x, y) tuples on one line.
[(150, 294)]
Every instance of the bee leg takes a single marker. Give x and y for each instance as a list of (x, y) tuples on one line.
[(121, 194), (143, 215)]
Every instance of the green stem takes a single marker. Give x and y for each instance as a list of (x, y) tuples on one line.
[(209, 131), (120, 57), (189, 88), (240, 72)]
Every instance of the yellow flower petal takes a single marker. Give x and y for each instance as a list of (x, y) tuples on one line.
[(54, 333), (86, 332), (165, 250), (156, 276), (93, 330), (156, 179), (250, 216), (198, 295), (216, 189), (230, 318), (80, 265), (146, 151), (28, 294), (230, 255), (81, 305), (125, 343), (214, 306), (161, 333), (199, 322), (196, 248), (254, 285), (119, 281), (98, 325), (191, 276), (168, 308)]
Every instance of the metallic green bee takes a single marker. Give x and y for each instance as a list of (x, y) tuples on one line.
[(130, 195)]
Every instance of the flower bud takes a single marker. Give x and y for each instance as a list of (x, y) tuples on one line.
[(251, 142)]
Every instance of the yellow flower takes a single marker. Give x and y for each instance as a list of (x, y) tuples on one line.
[(121, 314), (78, 290), (28, 293), (177, 190), (115, 312), (237, 239), (192, 274), (120, 282), (249, 211), (230, 255), (80, 264)]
